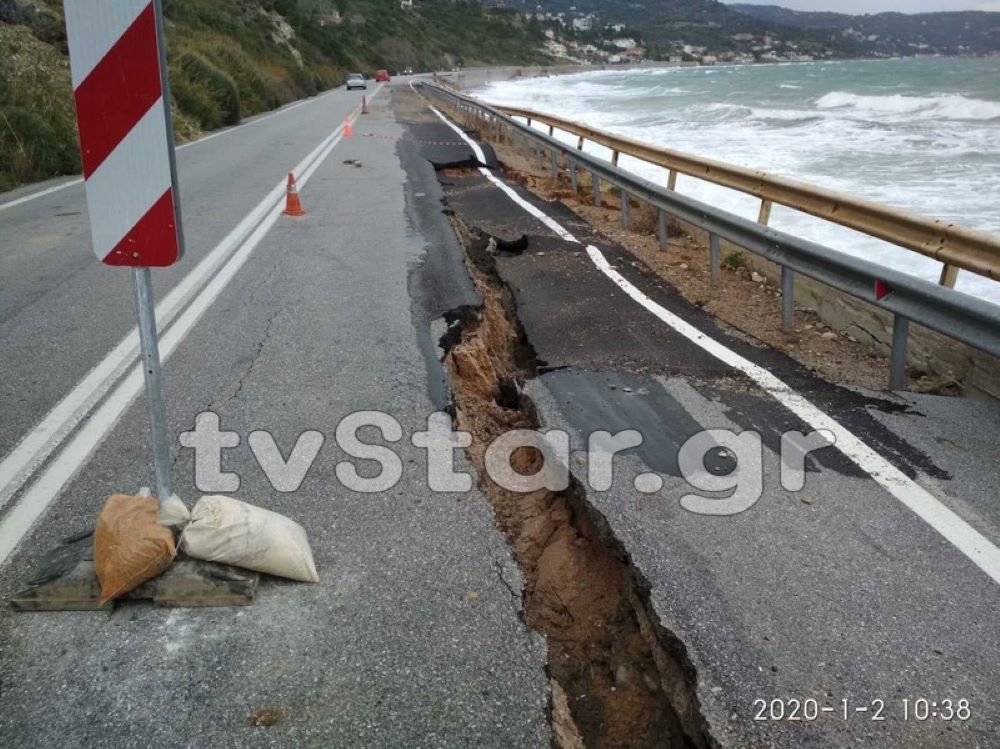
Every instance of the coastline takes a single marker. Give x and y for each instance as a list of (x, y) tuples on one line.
[(860, 332)]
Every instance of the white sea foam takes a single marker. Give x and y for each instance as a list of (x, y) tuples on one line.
[(933, 150), (942, 106)]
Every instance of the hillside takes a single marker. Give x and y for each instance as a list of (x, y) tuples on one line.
[(232, 58), (960, 32), (666, 25), (772, 33)]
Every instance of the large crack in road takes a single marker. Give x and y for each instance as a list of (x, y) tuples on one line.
[(617, 680)]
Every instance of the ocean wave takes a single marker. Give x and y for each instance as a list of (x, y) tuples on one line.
[(941, 106), (788, 85)]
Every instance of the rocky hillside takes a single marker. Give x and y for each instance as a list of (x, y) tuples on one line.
[(232, 58)]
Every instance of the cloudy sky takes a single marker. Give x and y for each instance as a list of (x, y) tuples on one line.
[(878, 6)]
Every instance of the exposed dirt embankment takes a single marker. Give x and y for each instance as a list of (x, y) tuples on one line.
[(614, 682)]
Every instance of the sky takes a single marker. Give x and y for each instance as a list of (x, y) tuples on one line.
[(879, 6)]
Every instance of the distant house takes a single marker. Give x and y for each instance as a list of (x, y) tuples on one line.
[(635, 53), (624, 42), (405, 4)]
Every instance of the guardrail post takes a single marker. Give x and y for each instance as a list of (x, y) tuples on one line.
[(528, 119), (538, 152), (597, 189), (579, 144), (713, 255), (552, 131), (765, 212), (787, 299), (614, 158), (949, 275), (662, 219), (672, 180), (572, 176), (624, 209), (554, 163), (897, 365)]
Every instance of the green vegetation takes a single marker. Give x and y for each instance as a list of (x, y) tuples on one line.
[(734, 261), (37, 119), (230, 59)]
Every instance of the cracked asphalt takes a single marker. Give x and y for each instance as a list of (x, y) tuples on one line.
[(413, 637), (835, 593)]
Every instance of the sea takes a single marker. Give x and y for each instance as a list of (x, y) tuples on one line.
[(918, 134)]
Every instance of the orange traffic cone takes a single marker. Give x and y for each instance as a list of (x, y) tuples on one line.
[(293, 207), (348, 132)]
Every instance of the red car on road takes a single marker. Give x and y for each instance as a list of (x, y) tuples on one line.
[(381, 76)]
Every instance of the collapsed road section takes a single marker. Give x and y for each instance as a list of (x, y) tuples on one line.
[(831, 594)]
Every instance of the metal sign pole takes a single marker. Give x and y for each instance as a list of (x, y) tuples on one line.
[(146, 311)]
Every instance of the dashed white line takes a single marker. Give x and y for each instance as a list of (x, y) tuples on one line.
[(970, 542)]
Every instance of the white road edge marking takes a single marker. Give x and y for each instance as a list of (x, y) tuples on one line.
[(217, 134), (19, 465), (974, 545)]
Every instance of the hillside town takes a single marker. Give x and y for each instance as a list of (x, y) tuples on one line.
[(583, 37), (630, 33)]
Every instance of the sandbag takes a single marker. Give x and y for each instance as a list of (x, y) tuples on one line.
[(130, 546), (223, 529)]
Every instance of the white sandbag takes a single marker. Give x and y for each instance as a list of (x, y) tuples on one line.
[(223, 529), (173, 512)]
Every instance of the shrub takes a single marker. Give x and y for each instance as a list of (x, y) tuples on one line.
[(200, 73), (31, 148), (734, 261), (256, 93), (195, 101)]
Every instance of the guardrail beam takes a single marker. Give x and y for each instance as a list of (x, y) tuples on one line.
[(962, 247), (961, 317)]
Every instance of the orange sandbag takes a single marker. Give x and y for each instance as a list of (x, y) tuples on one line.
[(130, 546)]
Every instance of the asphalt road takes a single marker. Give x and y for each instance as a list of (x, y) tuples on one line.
[(837, 594), (413, 637)]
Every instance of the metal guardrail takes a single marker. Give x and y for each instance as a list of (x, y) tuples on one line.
[(956, 315), (957, 247)]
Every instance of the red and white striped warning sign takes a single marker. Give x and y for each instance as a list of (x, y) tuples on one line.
[(119, 82)]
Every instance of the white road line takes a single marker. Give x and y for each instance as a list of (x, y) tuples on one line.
[(217, 134), (33, 504), (37, 445), (974, 545), (41, 193)]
